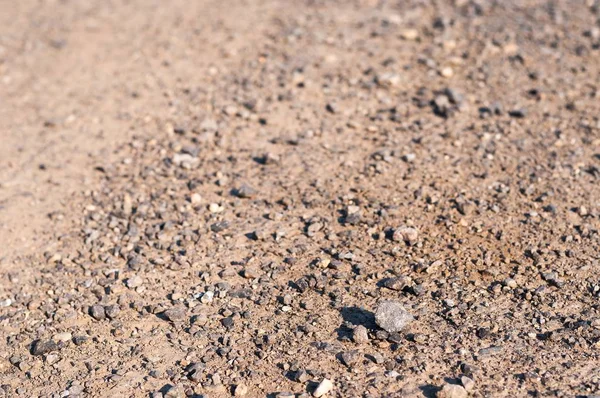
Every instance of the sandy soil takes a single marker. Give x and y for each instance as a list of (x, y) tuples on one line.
[(213, 198)]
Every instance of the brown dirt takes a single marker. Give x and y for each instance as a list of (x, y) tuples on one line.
[(198, 198)]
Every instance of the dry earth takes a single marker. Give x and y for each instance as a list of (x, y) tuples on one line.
[(215, 198)]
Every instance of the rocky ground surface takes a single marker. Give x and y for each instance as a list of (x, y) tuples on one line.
[(294, 199)]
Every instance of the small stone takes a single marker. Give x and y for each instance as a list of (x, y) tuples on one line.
[(134, 281), (517, 113), (251, 273), (452, 391), (245, 192), (323, 388), (509, 282), (97, 312), (301, 376), (227, 322), (52, 358), (79, 340), (349, 358), (219, 226), (285, 395), (207, 297), (215, 208), (176, 314), (406, 234), (467, 383), (409, 34), (175, 392), (112, 311), (397, 283), (41, 347), (269, 158), (64, 337), (447, 72), (240, 390), (195, 199), (360, 335), (392, 317)]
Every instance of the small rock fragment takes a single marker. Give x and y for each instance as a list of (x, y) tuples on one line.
[(360, 335), (175, 392), (64, 337), (452, 391), (176, 314), (323, 388), (97, 312), (245, 192), (406, 234), (392, 317), (41, 347), (240, 390), (397, 283), (134, 281), (409, 34), (467, 383)]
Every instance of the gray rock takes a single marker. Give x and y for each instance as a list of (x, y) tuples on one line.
[(360, 335), (392, 317), (176, 314), (41, 347), (452, 391), (97, 312)]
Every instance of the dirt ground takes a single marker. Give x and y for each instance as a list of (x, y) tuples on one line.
[(220, 198)]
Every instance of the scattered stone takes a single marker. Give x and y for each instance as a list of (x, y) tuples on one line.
[(323, 388), (245, 191), (397, 283), (349, 358), (97, 312), (219, 226), (452, 391), (64, 337), (41, 347), (409, 34), (360, 335), (392, 317), (240, 390), (467, 383), (406, 234), (112, 311), (175, 392), (134, 281), (175, 314)]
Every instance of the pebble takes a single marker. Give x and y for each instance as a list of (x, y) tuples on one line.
[(240, 390), (112, 311), (175, 392), (195, 198), (323, 388), (452, 391), (397, 283), (392, 317), (97, 312), (215, 208), (176, 314), (245, 191), (219, 226), (134, 281), (406, 234), (360, 335), (409, 34), (467, 383), (64, 337), (447, 72), (41, 347)]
